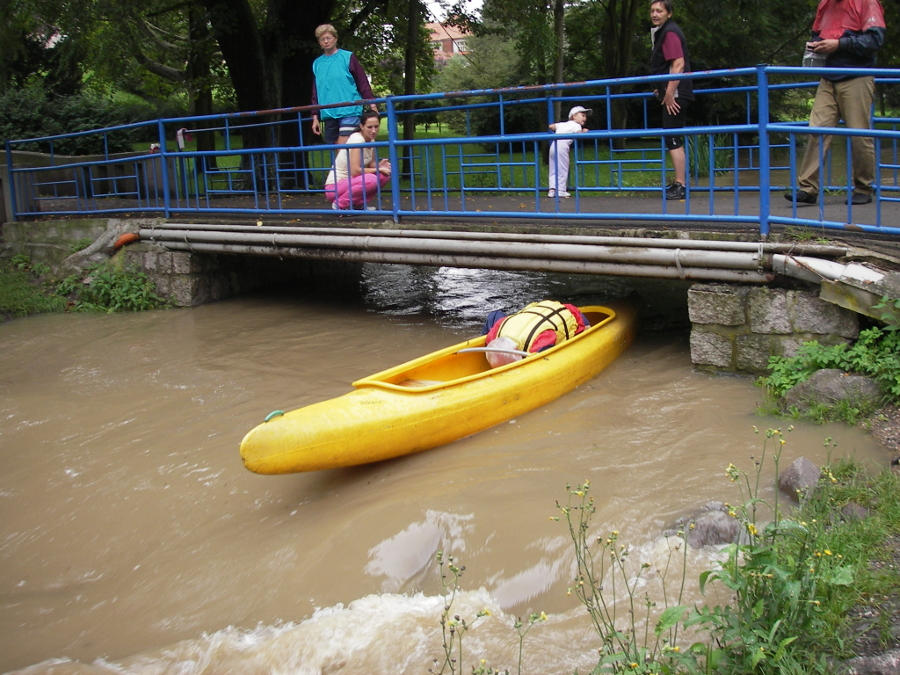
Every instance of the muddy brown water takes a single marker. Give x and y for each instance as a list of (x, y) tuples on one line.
[(133, 540)]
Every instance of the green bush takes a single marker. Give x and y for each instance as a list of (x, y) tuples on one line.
[(113, 290), (876, 354), (790, 580), (31, 113), (21, 290), (26, 288)]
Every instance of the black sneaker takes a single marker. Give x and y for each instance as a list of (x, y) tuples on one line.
[(675, 191), (858, 198), (803, 197)]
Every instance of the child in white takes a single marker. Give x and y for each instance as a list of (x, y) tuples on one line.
[(559, 150)]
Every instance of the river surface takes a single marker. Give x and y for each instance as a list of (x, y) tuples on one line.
[(132, 540)]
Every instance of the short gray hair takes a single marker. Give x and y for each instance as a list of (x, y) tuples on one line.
[(326, 28)]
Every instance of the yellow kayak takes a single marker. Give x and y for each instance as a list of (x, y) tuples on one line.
[(435, 399)]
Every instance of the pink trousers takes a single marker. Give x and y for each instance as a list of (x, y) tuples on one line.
[(361, 190)]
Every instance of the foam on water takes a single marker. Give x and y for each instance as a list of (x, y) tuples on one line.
[(401, 634)]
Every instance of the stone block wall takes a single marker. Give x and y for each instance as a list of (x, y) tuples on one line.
[(50, 241), (737, 328)]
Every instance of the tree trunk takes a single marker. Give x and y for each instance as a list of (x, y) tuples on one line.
[(270, 66), (559, 30), (198, 75), (409, 81), (621, 21)]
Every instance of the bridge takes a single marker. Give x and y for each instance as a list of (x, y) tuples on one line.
[(470, 190)]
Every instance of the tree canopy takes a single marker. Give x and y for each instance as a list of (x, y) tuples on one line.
[(258, 54)]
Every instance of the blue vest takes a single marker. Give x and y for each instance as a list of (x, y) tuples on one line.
[(335, 83)]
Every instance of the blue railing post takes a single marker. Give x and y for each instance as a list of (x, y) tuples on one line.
[(11, 188), (164, 172), (392, 155), (50, 191), (765, 192)]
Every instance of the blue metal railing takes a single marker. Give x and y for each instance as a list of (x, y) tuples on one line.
[(480, 169)]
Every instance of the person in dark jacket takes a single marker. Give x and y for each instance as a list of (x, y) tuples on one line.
[(848, 33), (670, 55)]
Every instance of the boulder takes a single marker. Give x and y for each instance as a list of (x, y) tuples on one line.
[(712, 526), (831, 385), (854, 511), (799, 478), (887, 663)]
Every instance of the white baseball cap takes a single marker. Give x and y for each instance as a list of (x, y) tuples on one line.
[(578, 109)]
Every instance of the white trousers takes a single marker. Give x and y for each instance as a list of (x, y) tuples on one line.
[(559, 165)]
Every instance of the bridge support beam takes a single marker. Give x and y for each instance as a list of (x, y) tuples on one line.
[(737, 328), (189, 279)]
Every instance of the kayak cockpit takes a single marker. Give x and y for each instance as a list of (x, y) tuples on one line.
[(464, 362)]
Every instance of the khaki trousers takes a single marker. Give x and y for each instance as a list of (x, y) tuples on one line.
[(850, 100)]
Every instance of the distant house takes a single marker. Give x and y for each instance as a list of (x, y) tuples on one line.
[(447, 42)]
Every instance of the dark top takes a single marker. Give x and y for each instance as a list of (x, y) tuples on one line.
[(660, 65)]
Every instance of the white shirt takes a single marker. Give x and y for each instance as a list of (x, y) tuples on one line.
[(341, 169)]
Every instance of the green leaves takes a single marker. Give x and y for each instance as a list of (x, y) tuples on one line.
[(781, 586), (114, 290), (876, 354)]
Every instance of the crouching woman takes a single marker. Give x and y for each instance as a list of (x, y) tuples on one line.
[(357, 175)]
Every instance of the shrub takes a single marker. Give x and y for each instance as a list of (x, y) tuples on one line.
[(787, 578), (30, 113), (876, 354), (115, 290), (21, 291)]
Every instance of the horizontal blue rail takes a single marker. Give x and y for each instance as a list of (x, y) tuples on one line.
[(476, 166)]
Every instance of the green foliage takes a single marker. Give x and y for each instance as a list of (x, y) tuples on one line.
[(788, 371), (807, 234), (31, 113), (722, 148), (380, 45), (25, 288), (781, 579), (842, 411), (21, 291), (453, 627), (876, 354), (890, 312), (791, 580), (492, 63), (113, 290), (80, 244)]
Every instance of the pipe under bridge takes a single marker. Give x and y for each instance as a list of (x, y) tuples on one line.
[(704, 260)]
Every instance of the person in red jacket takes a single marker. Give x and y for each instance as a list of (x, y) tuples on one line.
[(848, 33)]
